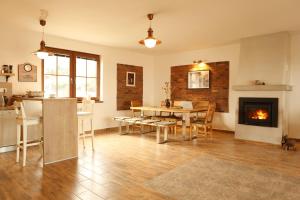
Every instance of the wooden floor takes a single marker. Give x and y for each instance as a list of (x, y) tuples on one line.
[(121, 164)]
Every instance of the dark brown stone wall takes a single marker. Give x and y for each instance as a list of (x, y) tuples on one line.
[(219, 85)]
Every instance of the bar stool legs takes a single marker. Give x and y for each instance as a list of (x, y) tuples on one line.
[(18, 142), (93, 134), (24, 144)]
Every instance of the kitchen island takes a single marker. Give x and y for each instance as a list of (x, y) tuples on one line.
[(59, 128)]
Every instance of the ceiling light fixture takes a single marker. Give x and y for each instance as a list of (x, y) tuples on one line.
[(150, 41), (42, 52)]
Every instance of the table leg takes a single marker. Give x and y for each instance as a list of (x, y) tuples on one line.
[(185, 122)]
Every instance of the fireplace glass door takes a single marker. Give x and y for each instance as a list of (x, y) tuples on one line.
[(258, 111)]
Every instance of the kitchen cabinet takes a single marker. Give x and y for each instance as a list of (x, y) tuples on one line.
[(8, 128)]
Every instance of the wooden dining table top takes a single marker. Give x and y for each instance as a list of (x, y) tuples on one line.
[(171, 109)]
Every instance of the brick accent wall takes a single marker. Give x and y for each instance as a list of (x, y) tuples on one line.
[(127, 93), (219, 85)]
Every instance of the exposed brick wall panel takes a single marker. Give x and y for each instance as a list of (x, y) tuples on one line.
[(125, 93), (219, 85)]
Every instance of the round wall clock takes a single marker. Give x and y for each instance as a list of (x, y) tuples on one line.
[(27, 67)]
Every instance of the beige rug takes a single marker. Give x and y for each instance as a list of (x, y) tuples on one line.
[(210, 178)]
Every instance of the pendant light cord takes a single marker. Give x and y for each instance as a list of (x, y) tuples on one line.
[(43, 34)]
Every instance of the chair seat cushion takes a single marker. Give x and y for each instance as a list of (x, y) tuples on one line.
[(134, 119), (199, 121), (149, 121), (165, 123), (121, 118), (81, 113)]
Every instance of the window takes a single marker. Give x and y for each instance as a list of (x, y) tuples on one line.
[(71, 74)]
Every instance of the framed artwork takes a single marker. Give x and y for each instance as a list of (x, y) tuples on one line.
[(130, 79), (198, 79), (27, 73)]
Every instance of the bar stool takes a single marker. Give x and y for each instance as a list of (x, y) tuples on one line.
[(86, 114), (24, 121)]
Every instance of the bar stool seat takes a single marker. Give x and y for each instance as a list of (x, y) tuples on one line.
[(24, 121)]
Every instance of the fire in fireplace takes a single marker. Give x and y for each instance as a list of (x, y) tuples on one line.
[(260, 114), (258, 111)]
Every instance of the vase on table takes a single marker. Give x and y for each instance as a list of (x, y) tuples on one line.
[(168, 103)]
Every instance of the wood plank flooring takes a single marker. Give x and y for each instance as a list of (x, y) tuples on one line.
[(121, 164)]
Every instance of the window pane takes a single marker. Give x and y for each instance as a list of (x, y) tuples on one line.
[(80, 67), (63, 65), (50, 65), (80, 87), (63, 88), (91, 68), (50, 85), (92, 87)]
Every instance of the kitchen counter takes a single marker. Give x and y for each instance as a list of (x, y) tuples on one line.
[(7, 108)]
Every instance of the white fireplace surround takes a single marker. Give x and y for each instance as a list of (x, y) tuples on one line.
[(271, 135)]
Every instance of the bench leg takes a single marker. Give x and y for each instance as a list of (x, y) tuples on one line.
[(158, 135), (166, 129), (120, 127)]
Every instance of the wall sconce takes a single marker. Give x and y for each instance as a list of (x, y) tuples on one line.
[(199, 65)]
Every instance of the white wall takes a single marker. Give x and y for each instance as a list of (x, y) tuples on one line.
[(264, 58), (16, 48), (229, 53), (294, 96)]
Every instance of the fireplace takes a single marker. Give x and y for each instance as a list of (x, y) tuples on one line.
[(258, 111)]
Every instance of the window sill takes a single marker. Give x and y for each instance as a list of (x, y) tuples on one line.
[(96, 101)]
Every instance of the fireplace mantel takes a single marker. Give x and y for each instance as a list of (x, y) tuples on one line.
[(281, 87)]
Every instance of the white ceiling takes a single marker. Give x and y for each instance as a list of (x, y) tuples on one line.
[(180, 24)]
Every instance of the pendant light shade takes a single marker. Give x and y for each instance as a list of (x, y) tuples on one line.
[(42, 52), (150, 41)]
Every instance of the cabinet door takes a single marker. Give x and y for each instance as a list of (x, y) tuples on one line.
[(8, 128), (1, 129)]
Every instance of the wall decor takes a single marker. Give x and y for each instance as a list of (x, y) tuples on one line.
[(198, 79), (125, 94), (130, 79), (27, 72), (218, 90)]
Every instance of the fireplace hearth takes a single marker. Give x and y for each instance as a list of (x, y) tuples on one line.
[(258, 111)]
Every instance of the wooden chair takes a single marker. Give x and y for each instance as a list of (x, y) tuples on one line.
[(204, 125), (136, 103), (199, 105), (23, 121), (86, 114)]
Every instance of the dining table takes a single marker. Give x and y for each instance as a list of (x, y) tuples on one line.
[(185, 112)]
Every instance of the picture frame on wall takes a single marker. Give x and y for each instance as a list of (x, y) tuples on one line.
[(198, 79), (27, 72), (130, 79)]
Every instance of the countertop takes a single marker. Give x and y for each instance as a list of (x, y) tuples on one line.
[(7, 108)]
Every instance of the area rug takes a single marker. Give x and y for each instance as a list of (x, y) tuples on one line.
[(211, 178)]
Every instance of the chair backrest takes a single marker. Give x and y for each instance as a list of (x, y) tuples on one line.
[(200, 104), (210, 112), (88, 105), (136, 103), (184, 104), (19, 108)]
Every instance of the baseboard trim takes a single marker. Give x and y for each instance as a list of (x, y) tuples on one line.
[(297, 139), (222, 130), (106, 130)]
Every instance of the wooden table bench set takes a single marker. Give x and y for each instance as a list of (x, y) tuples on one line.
[(161, 123)]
